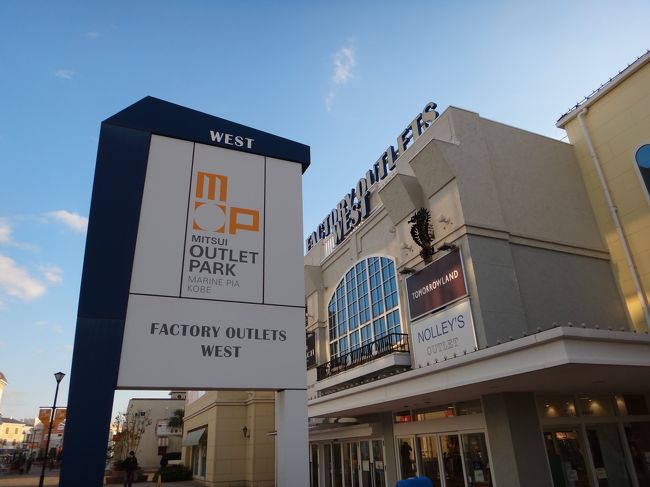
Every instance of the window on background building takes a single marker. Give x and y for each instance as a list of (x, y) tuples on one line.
[(364, 307), (643, 161)]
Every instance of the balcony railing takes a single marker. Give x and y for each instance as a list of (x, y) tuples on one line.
[(385, 345)]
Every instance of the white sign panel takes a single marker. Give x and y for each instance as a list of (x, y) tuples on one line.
[(443, 334), (216, 300)]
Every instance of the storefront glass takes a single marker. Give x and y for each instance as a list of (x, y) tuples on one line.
[(347, 464), (608, 456), (327, 466), (477, 461), (638, 440), (407, 457), (452, 461), (355, 465), (313, 465), (336, 466), (366, 474), (379, 475), (604, 443), (428, 456), (566, 457)]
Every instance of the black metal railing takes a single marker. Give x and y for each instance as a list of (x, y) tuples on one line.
[(385, 345)]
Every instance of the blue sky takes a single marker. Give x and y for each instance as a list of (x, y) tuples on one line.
[(342, 77)]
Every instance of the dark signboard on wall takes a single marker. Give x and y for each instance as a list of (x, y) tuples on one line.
[(311, 350), (438, 284)]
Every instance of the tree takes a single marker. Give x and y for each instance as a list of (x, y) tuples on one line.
[(129, 427), (176, 419)]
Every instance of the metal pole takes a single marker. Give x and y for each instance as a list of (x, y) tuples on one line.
[(58, 377)]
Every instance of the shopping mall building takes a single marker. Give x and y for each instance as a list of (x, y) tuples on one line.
[(500, 335)]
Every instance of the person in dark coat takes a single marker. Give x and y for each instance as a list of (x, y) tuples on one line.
[(130, 467)]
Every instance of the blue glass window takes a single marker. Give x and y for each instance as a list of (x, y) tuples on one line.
[(643, 161), (365, 306)]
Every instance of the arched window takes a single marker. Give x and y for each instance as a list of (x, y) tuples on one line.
[(643, 161), (364, 307)]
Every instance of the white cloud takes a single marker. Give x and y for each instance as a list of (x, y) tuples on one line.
[(66, 74), (343, 64), (16, 281), (5, 236), (5, 231), (74, 221), (52, 274), (93, 34), (58, 329)]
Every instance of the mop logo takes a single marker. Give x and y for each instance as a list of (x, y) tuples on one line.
[(212, 212)]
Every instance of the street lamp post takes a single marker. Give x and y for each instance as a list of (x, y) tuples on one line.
[(58, 376)]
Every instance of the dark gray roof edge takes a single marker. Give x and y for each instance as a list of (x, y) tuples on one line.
[(161, 117)]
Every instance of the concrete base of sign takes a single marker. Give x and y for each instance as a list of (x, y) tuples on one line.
[(291, 443)]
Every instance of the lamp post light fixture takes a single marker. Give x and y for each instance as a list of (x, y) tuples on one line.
[(58, 376)]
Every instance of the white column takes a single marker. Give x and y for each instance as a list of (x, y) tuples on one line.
[(292, 440)]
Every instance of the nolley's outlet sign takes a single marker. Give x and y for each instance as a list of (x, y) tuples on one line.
[(355, 206)]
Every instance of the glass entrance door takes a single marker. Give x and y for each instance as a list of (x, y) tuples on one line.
[(608, 456), (428, 450), (452, 461), (566, 458), (371, 468), (378, 472)]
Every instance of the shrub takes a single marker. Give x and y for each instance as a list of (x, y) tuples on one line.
[(173, 473)]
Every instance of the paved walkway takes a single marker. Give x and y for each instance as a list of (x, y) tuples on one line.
[(52, 479), (28, 480)]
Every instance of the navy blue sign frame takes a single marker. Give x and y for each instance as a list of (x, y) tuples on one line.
[(110, 246)]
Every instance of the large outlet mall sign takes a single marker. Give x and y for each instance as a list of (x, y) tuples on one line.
[(213, 300), (193, 273), (355, 206)]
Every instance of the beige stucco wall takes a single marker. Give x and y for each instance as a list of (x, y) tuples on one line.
[(619, 123), (516, 205), (157, 409), (232, 459)]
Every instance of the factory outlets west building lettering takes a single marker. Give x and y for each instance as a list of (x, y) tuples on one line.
[(355, 206)]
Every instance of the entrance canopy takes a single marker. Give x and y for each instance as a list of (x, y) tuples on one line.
[(194, 437)]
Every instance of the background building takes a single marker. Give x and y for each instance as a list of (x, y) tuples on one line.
[(610, 130), (12, 433), (504, 358), (229, 437), (157, 438)]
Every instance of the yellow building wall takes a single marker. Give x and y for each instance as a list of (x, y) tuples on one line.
[(233, 459), (618, 124), (12, 434)]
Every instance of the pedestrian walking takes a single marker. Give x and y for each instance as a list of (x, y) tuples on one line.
[(28, 462), (130, 467), (163, 465)]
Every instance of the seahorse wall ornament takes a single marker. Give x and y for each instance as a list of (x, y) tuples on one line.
[(422, 232)]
